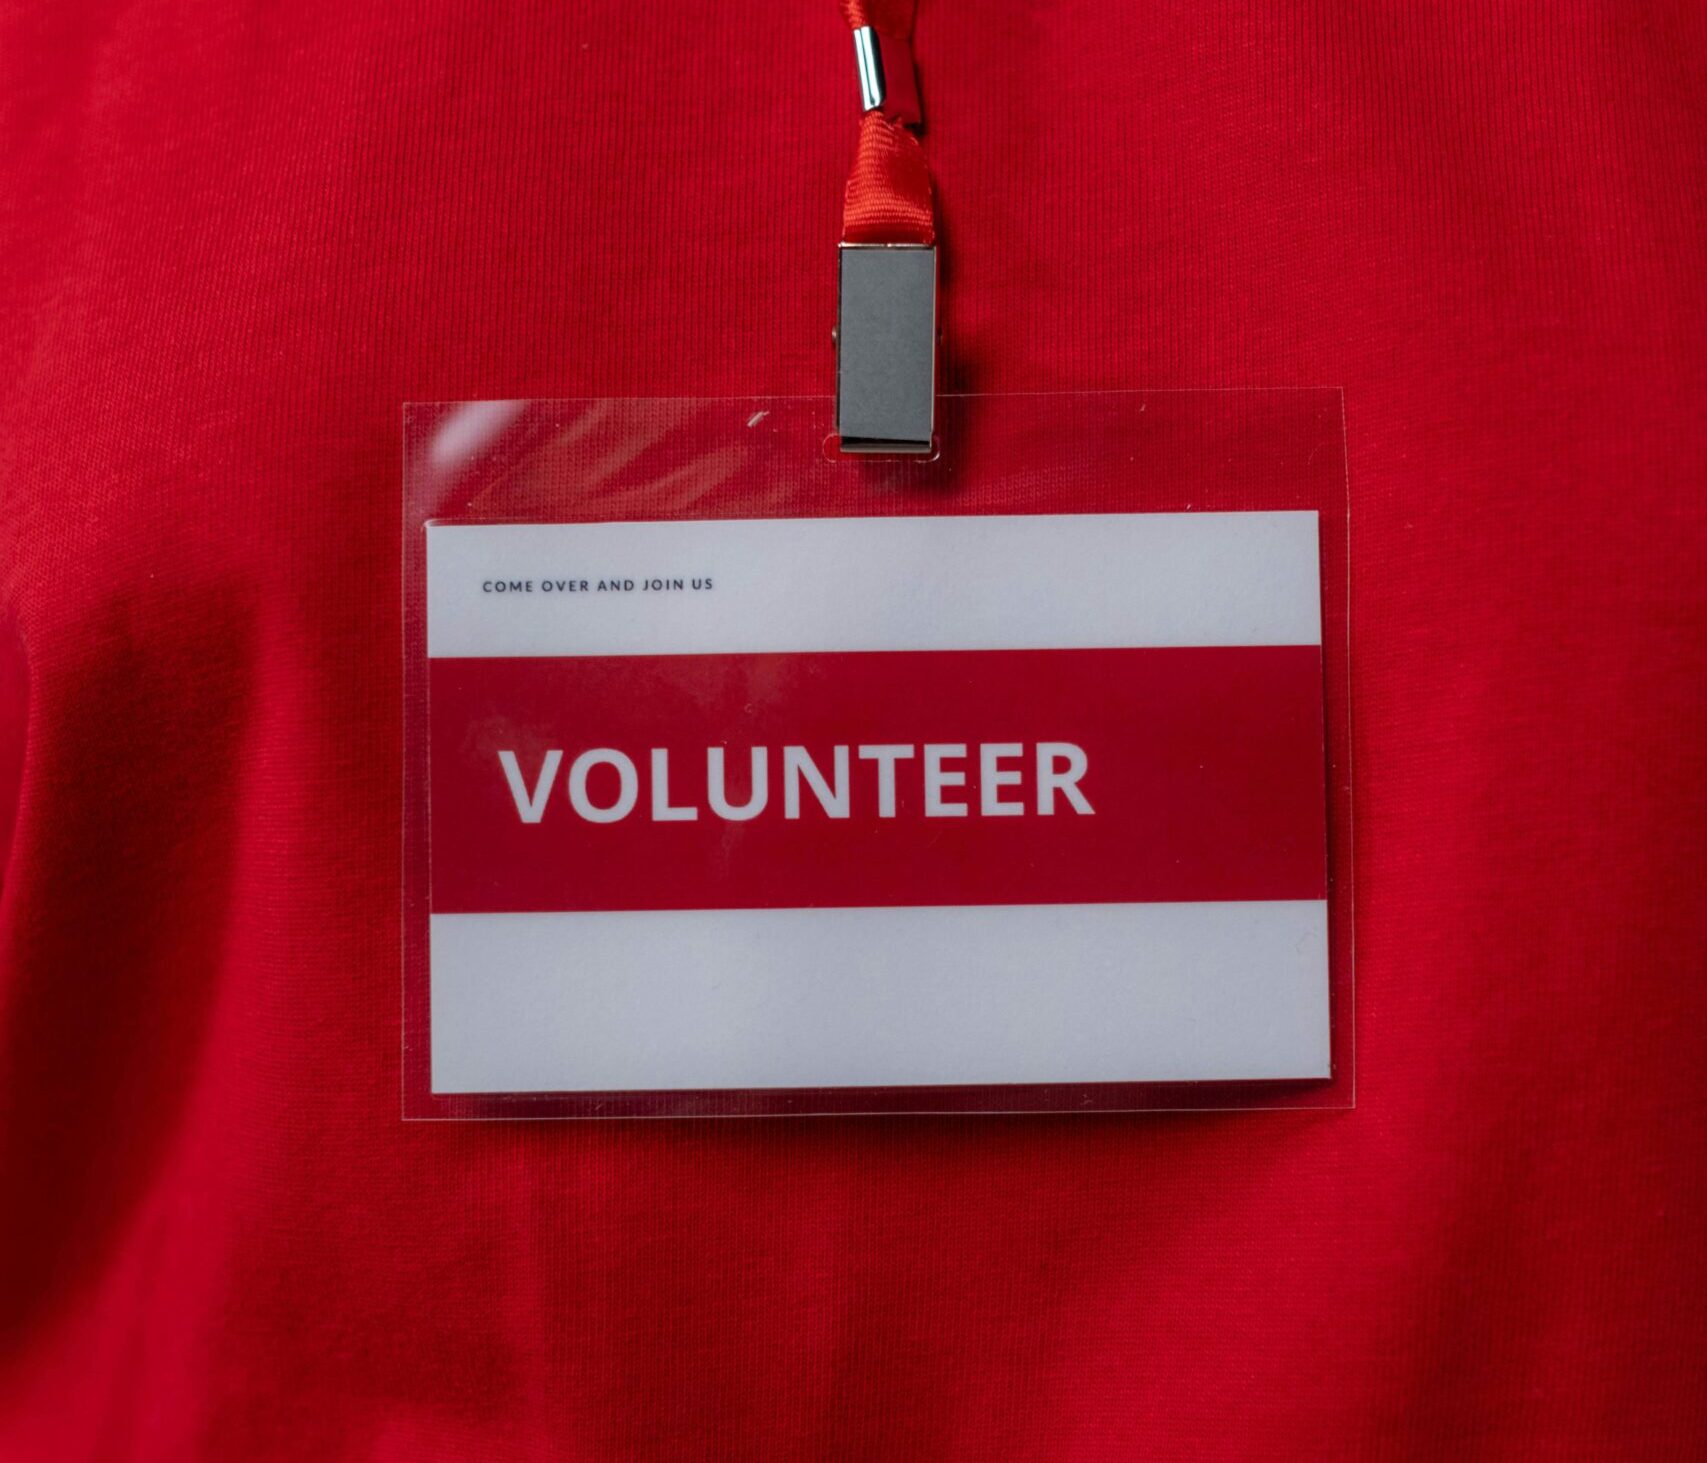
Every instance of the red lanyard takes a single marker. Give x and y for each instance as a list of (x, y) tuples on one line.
[(887, 314), (889, 186)]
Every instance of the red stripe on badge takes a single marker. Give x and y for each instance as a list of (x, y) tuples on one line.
[(888, 778)]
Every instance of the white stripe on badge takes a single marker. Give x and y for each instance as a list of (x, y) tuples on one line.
[(754, 998), (752, 586)]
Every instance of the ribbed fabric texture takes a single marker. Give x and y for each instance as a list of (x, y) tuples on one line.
[(234, 238)]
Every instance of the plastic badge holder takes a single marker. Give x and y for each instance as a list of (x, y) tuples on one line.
[(1068, 569)]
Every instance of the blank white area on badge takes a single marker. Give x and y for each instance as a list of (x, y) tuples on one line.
[(1013, 582), (674, 999)]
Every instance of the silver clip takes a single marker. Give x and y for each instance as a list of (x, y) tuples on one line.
[(887, 82), (886, 348), (868, 57)]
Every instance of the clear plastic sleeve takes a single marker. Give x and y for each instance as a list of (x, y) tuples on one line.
[(1046, 457)]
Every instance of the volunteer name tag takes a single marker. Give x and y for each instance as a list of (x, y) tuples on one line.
[(876, 802)]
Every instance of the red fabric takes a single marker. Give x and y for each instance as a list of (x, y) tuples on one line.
[(888, 195), (893, 16), (235, 238)]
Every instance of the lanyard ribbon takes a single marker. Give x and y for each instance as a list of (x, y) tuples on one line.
[(888, 198)]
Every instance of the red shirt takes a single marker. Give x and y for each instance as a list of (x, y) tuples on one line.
[(234, 239)]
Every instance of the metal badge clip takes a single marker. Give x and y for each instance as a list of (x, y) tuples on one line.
[(886, 348)]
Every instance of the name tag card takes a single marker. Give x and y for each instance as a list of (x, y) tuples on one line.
[(910, 811)]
